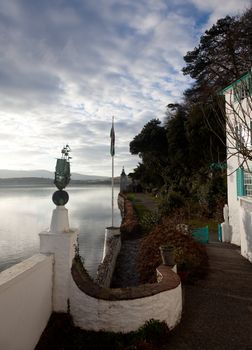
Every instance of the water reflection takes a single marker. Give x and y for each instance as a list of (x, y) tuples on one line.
[(27, 211)]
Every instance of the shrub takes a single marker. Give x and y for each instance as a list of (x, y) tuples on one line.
[(130, 226), (190, 256), (61, 333), (171, 202), (150, 220)]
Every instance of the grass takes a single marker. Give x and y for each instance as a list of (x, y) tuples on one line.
[(138, 206)]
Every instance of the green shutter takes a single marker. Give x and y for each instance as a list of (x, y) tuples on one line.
[(250, 85), (251, 132), (240, 182)]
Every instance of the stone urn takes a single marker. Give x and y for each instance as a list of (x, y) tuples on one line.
[(167, 254)]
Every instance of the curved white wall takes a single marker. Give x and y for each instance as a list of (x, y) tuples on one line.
[(94, 313)]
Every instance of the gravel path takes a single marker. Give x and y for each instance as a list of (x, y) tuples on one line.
[(126, 274)]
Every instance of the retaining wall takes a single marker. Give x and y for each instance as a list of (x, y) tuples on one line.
[(124, 309), (106, 268), (25, 302)]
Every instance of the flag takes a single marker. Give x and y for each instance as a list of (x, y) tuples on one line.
[(112, 137)]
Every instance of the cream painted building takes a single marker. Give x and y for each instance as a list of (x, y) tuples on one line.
[(238, 107)]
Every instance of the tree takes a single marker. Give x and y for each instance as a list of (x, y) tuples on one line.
[(236, 119), (223, 55), (151, 146)]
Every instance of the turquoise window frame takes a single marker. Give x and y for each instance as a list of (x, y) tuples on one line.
[(240, 182), (245, 82)]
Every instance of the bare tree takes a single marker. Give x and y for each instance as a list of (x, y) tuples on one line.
[(233, 111)]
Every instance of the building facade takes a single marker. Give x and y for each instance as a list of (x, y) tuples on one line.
[(238, 108)]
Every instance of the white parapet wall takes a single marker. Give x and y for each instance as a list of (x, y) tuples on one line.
[(25, 302), (245, 227), (61, 242), (124, 309), (112, 247)]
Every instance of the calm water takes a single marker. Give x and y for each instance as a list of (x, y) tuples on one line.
[(24, 212)]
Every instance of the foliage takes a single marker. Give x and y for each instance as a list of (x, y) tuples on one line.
[(177, 156), (222, 56), (171, 202), (150, 220), (130, 226), (190, 255), (151, 146), (61, 333)]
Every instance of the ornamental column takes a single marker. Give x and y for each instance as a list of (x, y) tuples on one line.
[(60, 240)]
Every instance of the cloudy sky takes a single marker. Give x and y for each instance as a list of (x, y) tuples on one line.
[(67, 66)]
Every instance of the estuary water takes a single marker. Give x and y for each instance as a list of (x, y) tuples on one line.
[(26, 211)]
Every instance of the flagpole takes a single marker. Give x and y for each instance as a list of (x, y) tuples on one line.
[(112, 191), (112, 154)]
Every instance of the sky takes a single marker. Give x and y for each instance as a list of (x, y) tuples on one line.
[(67, 67)]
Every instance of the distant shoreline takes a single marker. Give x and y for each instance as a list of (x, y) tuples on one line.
[(46, 182)]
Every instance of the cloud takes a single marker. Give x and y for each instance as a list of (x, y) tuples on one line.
[(67, 67), (218, 9)]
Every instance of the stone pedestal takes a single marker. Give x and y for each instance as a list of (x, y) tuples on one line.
[(59, 222), (60, 241), (226, 230), (109, 232)]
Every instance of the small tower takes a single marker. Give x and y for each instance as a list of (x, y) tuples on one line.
[(123, 181)]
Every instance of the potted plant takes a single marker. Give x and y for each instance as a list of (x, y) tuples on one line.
[(168, 254)]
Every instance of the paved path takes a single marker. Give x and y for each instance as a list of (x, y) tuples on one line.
[(218, 310), (147, 200), (126, 274)]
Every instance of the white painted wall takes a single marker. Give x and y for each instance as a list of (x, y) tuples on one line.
[(61, 242), (25, 302), (62, 245), (246, 227), (233, 201), (112, 247), (124, 315), (232, 164)]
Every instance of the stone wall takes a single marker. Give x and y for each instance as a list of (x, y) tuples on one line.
[(94, 307), (120, 201), (106, 268), (130, 226), (25, 302)]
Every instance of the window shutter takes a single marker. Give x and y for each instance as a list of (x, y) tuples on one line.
[(251, 132), (240, 182), (250, 85)]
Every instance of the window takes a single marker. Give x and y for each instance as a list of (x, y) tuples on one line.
[(243, 182), (243, 135), (243, 88), (248, 183)]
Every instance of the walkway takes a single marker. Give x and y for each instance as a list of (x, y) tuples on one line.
[(147, 200), (126, 274), (218, 310)]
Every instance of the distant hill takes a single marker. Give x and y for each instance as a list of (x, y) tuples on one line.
[(19, 178), (12, 174)]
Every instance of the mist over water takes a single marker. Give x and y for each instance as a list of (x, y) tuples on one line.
[(25, 212)]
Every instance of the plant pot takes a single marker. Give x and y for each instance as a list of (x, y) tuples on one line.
[(167, 255)]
